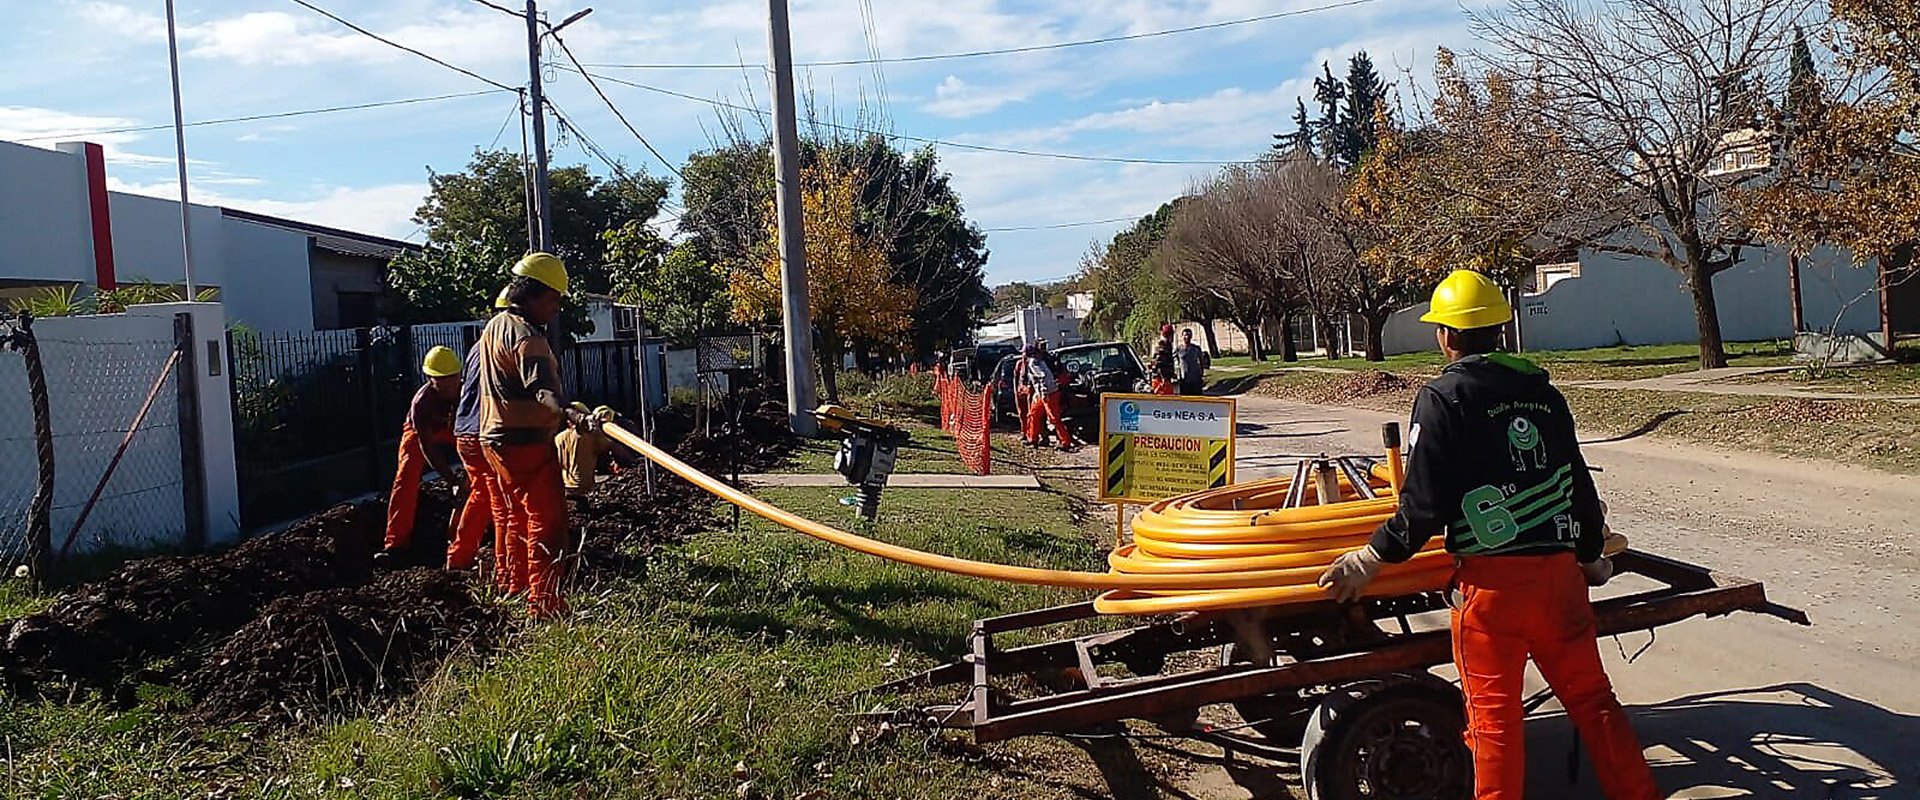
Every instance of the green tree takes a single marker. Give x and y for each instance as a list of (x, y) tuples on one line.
[(680, 294), (1112, 270), (906, 202), (1366, 98), (480, 213)]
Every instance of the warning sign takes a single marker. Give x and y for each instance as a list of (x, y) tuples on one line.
[(1155, 446)]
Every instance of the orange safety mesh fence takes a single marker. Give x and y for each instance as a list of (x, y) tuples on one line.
[(968, 415)]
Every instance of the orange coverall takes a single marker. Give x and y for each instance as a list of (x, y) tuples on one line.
[(517, 428), (1516, 606), (429, 424), (485, 507)]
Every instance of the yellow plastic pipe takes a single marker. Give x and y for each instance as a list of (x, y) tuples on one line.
[(1232, 547)]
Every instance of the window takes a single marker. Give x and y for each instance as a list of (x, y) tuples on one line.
[(358, 309)]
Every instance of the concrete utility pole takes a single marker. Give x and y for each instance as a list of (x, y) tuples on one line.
[(543, 233), (797, 321), (180, 156)]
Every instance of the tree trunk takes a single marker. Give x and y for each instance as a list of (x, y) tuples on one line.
[(1213, 342), (1289, 349), (1376, 330), (1706, 314), (1886, 305), (829, 347), (1329, 338), (863, 356), (1793, 293), (1251, 329)]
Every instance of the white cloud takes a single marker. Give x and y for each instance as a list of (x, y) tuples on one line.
[(956, 98)]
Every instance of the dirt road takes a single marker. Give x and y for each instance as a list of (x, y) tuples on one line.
[(1743, 706)]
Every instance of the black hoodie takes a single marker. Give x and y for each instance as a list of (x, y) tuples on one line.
[(1493, 463)]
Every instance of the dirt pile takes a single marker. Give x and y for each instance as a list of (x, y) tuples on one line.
[(145, 621), (1330, 389), (762, 443), (338, 649)]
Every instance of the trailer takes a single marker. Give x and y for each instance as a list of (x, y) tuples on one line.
[(1346, 689)]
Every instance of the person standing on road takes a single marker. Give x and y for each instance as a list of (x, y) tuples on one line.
[(485, 506), (426, 441), (520, 411), (1493, 465), (1191, 364), (1163, 361), (1044, 407)]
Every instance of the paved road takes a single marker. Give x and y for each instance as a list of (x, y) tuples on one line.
[(1742, 706)]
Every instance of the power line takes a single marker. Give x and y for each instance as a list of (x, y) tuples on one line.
[(504, 123), (611, 107), (1060, 225), (391, 43), (259, 117), (502, 9), (941, 142), (1013, 50)]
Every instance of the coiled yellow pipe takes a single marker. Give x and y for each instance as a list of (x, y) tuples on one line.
[(1225, 548)]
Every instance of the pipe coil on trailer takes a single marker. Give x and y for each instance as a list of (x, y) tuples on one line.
[(1233, 547)]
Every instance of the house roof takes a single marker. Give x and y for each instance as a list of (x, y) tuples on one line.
[(332, 240)]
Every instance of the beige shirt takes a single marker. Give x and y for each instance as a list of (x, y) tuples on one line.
[(580, 456)]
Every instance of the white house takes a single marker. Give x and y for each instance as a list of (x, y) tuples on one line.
[(62, 226), (1059, 326)]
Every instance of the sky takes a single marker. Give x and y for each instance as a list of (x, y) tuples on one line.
[(72, 68)]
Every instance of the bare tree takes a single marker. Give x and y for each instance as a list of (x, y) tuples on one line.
[(1646, 94), (1222, 245)]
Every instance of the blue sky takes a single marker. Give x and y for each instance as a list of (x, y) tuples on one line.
[(71, 66)]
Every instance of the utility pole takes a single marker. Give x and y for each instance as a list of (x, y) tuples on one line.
[(543, 233), (180, 156), (797, 321)]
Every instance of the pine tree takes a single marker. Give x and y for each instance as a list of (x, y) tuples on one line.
[(1328, 92), (1803, 85), (1365, 93), (1301, 139)]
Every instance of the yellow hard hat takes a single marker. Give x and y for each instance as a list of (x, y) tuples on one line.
[(1467, 300), (440, 362), (501, 300), (545, 268)]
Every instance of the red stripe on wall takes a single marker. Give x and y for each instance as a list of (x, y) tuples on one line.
[(103, 276)]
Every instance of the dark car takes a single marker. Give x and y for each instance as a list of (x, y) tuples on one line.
[(1094, 369)]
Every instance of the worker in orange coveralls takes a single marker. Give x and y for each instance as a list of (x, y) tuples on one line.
[(1493, 465), (520, 411), (486, 505), (1162, 358), (426, 440)]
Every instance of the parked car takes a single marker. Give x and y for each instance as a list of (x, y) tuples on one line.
[(1094, 369)]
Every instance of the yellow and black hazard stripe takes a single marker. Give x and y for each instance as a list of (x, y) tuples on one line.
[(1217, 463), (1115, 453)]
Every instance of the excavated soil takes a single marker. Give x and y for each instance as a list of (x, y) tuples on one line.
[(289, 626), (338, 649)]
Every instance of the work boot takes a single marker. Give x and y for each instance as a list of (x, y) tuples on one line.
[(385, 559)]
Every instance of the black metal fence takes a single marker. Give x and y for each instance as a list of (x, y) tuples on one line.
[(317, 415)]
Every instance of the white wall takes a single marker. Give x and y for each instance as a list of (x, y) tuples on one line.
[(45, 230), (268, 282), (1638, 301)]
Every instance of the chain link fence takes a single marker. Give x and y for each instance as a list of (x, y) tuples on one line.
[(110, 409)]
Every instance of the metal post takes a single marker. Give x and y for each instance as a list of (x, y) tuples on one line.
[(40, 514), (544, 232), (797, 319), (180, 154)]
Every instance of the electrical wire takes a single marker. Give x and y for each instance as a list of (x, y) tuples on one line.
[(260, 117), (503, 9), (1058, 225), (391, 43), (940, 142), (504, 123), (614, 108), (1015, 50)]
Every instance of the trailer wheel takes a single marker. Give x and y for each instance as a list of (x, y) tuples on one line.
[(1390, 740)]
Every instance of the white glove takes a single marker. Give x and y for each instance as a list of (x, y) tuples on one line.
[(1351, 573), (1598, 571)]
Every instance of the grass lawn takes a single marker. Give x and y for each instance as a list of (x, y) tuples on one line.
[(1876, 434), (723, 670)]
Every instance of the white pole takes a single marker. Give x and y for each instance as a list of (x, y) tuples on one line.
[(797, 321), (180, 154)]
